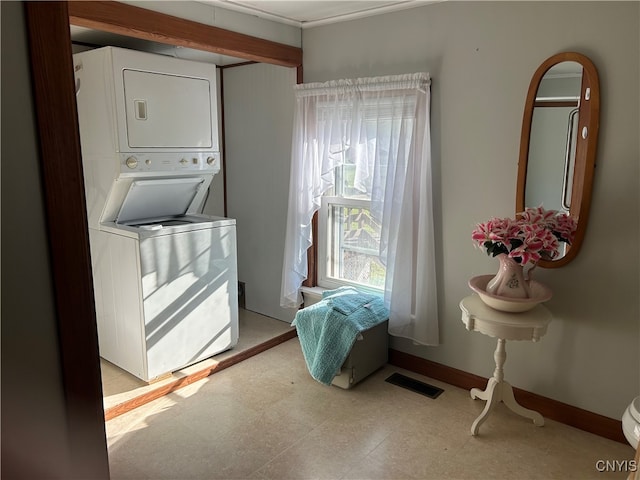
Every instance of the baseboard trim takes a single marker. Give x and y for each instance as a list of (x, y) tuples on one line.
[(576, 417), (549, 408), (136, 402)]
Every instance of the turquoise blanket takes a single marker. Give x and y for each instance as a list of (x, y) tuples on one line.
[(328, 329)]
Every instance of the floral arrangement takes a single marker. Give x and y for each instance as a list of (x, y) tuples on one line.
[(534, 234)]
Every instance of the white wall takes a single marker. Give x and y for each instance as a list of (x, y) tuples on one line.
[(481, 56), (259, 105)]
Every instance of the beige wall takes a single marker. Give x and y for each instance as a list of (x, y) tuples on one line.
[(481, 56)]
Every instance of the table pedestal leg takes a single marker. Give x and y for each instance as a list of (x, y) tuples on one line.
[(500, 391)]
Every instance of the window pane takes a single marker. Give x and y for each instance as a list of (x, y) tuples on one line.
[(354, 244), (345, 179)]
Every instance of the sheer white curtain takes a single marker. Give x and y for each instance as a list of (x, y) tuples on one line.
[(384, 123)]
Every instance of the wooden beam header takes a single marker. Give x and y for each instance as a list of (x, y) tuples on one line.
[(115, 17)]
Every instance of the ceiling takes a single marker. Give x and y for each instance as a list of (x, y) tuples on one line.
[(307, 13)]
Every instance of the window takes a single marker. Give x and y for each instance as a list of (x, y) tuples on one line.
[(349, 244), (350, 218), (349, 235), (361, 158)]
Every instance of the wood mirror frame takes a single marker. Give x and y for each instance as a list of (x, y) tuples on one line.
[(585, 149)]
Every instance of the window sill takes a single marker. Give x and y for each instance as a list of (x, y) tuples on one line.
[(311, 295)]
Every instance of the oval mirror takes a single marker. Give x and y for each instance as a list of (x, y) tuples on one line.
[(558, 143)]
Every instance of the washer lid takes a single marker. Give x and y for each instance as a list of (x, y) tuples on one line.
[(153, 199)]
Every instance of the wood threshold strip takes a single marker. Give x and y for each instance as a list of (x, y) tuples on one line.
[(115, 17), (549, 408), (136, 402)]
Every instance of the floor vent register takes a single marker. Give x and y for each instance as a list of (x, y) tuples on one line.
[(414, 385)]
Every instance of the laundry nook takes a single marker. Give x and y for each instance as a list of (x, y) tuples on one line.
[(165, 275)]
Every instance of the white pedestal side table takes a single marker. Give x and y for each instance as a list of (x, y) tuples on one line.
[(531, 325)]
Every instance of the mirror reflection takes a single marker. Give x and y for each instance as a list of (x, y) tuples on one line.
[(554, 130), (558, 143)]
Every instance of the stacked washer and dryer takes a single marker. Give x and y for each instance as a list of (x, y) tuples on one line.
[(165, 275)]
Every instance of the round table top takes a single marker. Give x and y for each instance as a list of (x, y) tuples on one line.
[(530, 325)]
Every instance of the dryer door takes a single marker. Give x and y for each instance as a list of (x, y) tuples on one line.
[(164, 110)]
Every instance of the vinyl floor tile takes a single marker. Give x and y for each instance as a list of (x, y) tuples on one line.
[(266, 418)]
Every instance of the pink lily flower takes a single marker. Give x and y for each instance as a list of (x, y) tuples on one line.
[(536, 233)]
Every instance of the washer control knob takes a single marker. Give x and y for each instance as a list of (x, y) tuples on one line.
[(183, 161), (131, 162), (147, 161), (210, 160)]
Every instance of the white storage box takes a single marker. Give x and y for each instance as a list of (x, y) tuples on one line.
[(369, 350), (368, 354)]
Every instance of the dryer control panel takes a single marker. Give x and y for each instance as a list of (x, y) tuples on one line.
[(169, 163)]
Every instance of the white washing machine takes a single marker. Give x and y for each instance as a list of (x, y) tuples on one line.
[(165, 276), (166, 286)]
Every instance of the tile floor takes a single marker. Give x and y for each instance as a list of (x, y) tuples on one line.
[(266, 418)]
